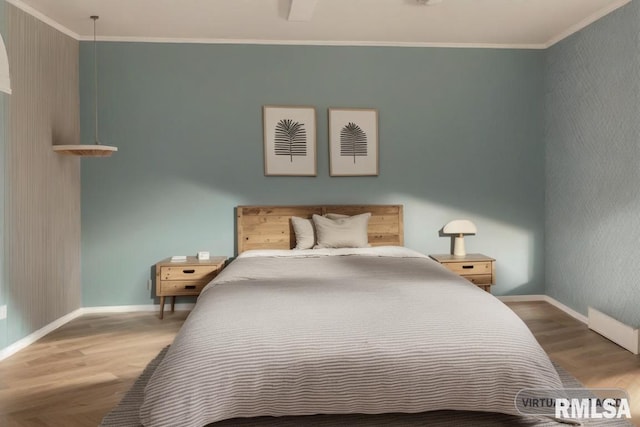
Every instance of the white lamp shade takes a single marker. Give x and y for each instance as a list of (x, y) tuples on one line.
[(460, 226), (5, 79)]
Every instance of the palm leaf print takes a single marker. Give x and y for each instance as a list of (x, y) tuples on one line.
[(353, 141), (290, 139)]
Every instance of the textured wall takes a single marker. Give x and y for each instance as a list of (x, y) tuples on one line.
[(461, 135), (4, 100), (42, 206), (592, 157)]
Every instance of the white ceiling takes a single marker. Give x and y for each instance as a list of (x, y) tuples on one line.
[(489, 23)]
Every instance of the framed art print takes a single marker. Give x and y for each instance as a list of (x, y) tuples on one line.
[(353, 142), (289, 140)]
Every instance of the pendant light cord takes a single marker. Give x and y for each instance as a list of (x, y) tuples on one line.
[(95, 78)]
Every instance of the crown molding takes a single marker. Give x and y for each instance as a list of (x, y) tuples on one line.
[(314, 43), (44, 18), (585, 22), (525, 46)]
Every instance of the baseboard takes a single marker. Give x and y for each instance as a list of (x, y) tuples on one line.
[(31, 338), (521, 298), (35, 336), (134, 308), (546, 298), (571, 312), (623, 335)]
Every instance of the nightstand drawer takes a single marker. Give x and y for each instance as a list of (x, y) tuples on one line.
[(479, 279), (181, 287), (188, 278), (477, 268), (188, 272), (469, 268)]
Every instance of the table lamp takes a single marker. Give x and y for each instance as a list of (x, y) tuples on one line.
[(459, 227)]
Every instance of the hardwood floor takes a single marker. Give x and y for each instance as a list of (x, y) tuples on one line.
[(75, 375), (592, 359)]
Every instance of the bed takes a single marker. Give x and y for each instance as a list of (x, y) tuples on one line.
[(366, 330)]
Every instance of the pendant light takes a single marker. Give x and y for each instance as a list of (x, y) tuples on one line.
[(96, 149)]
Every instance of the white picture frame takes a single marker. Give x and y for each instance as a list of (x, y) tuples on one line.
[(353, 142), (289, 140)]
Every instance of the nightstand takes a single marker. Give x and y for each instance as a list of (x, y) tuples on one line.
[(477, 268), (185, 278)]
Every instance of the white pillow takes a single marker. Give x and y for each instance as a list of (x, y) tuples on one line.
[(304, 231), (349, 232), (335, 216)]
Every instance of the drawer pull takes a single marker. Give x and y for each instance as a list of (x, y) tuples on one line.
[(466, 267), (188, 271), (190, 286)]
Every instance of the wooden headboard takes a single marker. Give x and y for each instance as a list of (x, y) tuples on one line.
[(269, 227)]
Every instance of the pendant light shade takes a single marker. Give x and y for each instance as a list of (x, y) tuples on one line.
[(5, 79), (96, 149)]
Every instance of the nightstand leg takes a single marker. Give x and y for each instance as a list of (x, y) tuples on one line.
[(173, 304), (161, 307)]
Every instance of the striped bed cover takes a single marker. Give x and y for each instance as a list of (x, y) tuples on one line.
[(367, 331)]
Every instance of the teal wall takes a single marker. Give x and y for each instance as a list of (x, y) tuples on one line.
[(461, 136), (593, 152)]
